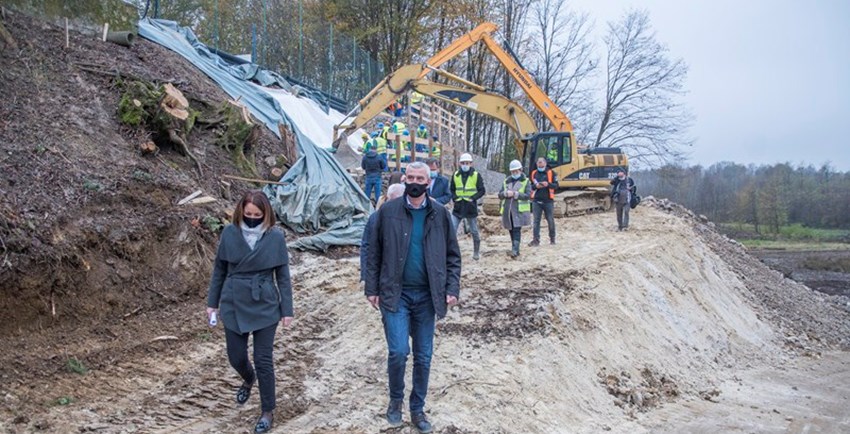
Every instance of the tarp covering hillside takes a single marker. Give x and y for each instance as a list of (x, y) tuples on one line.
[(321, 198)]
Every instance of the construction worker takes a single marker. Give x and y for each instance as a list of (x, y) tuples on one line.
[(399, 127), (515, 209), (422, 131), (367, 143), (373, 166), (467, 187), (416, 97), (380, 147), (405, 140), (383, 130), (544, 183), (435, 148)]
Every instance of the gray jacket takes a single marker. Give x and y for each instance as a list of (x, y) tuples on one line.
[(511, 217), (251, 288), (389, 239)]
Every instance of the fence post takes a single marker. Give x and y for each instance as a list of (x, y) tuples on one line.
[(330, 60), (301, 39), (253, 43)]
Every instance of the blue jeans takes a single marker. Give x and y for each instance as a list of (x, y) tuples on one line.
[(373, 182), (415, 319)]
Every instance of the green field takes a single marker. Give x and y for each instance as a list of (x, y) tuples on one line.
[(790, 237)]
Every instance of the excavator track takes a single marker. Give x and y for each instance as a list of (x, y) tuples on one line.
[(569, 203)]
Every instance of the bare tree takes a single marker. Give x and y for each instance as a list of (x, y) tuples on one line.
[(563, 60), (642, 112)]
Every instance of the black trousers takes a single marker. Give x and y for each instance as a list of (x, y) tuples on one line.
[(237, 354)]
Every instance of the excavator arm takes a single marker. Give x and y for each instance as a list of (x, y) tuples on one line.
[(483, 33), (474, 98)]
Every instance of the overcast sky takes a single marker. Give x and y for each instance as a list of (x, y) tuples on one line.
[(769, 80)]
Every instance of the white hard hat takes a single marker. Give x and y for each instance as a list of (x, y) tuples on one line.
[(515, 165), (465, 157)]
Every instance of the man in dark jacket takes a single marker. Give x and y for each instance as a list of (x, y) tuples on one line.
[(438, 188), (373, 166), (622, 187), (413, 276), (544, 183), (467, 187)]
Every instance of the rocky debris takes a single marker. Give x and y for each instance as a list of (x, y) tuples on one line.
[(648, 391)]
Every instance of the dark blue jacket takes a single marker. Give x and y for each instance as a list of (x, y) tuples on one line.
[(364, 245), (389, 240), (440, 191), (372, 164)]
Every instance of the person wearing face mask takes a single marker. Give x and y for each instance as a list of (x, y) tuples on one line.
[(515, 209), (622, 187), (250, 291), (438, 187), (412, 277), (544, 184), (467, 187)]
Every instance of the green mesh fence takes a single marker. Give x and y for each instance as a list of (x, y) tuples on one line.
[(280, 35)]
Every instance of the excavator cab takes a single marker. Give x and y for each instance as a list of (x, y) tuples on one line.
[(554, 146)]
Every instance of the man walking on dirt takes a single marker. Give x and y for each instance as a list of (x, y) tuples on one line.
[(467, 187), (412, 276), (621, 192)]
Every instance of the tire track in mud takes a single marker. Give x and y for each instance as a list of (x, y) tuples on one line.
[(194, 391)]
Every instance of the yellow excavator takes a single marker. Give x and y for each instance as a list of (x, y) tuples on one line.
[(583, 175)]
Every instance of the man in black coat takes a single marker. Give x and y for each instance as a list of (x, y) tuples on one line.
[(412, 276), (544, 183), (622, 188), (467, 187), (373, 165)]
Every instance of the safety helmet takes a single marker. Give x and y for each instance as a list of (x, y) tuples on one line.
[(374, 134), (421, 126), (435, 137), (515, 165), (465, 157), (405, 133), (380, 125), (364, 136)]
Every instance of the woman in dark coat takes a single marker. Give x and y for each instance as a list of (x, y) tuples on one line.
[(251, 292)]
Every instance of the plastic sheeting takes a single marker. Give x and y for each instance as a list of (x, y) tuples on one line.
[(320, 196)]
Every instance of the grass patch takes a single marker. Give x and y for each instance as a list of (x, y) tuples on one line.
[(77, 366), (795, 232), (760, 244)]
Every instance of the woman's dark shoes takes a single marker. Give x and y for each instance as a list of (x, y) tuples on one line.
[(244, 392), (264, 423)]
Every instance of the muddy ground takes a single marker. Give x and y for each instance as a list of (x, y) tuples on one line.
[(824, 271), (670, 327)]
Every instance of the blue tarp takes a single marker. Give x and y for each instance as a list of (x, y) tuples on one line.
[(321, 196)]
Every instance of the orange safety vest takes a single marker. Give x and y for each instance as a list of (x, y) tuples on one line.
[(549, 176)]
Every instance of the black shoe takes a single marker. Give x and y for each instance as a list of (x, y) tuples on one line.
[(264, 423), (420, 421), (552, 242), (394, 412), (533, 243), (244, 392)]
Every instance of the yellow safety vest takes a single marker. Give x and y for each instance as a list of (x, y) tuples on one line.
[(384, 132), (524, 205), (435, 150), (416, 98), (398, 127), (465, 192), (380, 145)]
